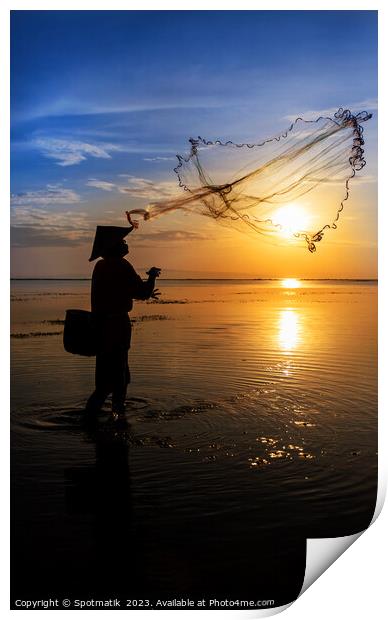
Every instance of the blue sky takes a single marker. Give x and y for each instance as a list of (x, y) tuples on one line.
[(102, 100)]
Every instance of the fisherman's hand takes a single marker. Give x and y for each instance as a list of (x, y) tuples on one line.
[(155, 294), (154, 272), (132, 222)]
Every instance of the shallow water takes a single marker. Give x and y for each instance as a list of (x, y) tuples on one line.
[(252, 425)]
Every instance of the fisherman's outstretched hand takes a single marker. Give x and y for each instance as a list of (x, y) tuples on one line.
[(154, 272), (155, 294)]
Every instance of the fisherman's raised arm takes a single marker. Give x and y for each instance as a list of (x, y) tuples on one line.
[(143, 289)]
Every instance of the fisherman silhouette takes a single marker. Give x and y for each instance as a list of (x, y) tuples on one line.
[(115, 284)]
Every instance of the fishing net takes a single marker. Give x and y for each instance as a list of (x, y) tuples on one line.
[(293, 185)]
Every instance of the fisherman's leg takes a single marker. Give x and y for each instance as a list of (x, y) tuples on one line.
[(103, 382), (121, 380)]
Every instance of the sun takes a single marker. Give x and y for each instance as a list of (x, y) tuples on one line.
[(291, 219)]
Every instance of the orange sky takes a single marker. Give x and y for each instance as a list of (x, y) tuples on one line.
[(194, 246)]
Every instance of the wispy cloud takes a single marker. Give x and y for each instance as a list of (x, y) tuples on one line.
[(33, 219), (173, 235), (71, 152), (159, 159), (30, 215), (34, 224), (106, 186), (50, 195), (32, 227), (138, 187), (30, 237), (65, 108)]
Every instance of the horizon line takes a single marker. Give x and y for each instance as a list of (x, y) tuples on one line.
[(226, 279)]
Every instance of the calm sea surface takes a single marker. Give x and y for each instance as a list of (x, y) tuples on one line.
[(252, 419)]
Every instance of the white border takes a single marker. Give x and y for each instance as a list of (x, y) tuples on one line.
[(354, 586)]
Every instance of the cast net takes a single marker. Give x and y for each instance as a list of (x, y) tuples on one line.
[(292, 186)]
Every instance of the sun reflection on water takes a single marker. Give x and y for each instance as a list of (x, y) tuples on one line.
[(291, 283), (289, 329)]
